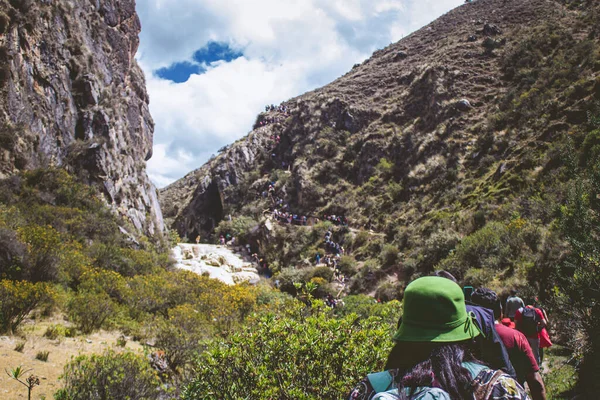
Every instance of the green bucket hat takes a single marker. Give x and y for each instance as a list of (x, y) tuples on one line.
[(434, 311)]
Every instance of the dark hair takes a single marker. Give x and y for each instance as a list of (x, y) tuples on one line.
[(487, 298), (513, 292), (422, 363)]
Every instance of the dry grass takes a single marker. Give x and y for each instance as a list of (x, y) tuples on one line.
[(61, 350)]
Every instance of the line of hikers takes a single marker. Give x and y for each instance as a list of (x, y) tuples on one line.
[(332, 246), (336, 219), (290, 218), (280, 108), (447, 347), (270, 120)]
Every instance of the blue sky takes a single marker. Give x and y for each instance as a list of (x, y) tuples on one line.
[(212, 65), (204, 57)]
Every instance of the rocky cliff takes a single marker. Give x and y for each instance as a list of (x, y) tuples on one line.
[(72, 95), (453, 118)]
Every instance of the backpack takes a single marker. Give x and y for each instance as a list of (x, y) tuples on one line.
[(483, 378), (529, 322)]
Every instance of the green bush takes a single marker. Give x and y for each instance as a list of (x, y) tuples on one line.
[(91, 310), (389, 255), (56, 331), (366, 306), (496, 247), (181, 335), (240, 228), (347, 266), (321, 272), (109, 376), (318, 356), (18, 299), (388, 291)]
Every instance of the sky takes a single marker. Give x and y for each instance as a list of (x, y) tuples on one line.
[(212, 65)]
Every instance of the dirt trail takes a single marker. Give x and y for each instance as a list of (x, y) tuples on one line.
[(60, 352)]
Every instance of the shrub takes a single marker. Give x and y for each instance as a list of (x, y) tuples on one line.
[(109, 376), (389, 255), (20, 346), (436, 248), (347, 265), (325, 273), (388, 292), (239, 227), (318, 356), (42, 355), (287, 277), (45, 248), (90, 310), (180, 336), (496, 246), (13, 255), (18, 299), (121, 341)]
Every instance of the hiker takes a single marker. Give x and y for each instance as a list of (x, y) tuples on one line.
[(434, 355), (492, 347), (198, 239), (530, 321), (221, 240), (519, 350), (544, 337), (318, 258), (513, 303)]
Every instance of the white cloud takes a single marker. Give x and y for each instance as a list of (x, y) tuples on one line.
[(289, 46)]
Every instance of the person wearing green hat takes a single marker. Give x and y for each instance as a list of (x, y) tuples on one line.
[(436, 352)]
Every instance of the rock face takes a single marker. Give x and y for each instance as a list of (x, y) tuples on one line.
[(417, 128), (218, 262), (72, 95)]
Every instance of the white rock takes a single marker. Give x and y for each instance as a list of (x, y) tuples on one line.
[(217, 262)]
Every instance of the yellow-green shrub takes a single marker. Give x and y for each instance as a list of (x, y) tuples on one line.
[(18, 299)]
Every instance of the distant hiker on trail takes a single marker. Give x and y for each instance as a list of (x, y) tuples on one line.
[(513, 303), (519, 350), (436, 352), (221, 240), (544, 337), (318, 258), (530, 321), (198, 239)]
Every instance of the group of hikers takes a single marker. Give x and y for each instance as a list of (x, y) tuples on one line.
[(267, 120), (448, 347), (332, 246), (290, 218), (280, 108), (336, 219)]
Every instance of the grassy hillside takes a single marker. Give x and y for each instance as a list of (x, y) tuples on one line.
[(470, 146)]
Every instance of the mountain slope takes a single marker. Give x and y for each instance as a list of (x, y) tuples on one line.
[(404, 104), (72, 95)]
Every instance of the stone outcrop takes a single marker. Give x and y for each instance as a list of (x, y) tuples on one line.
[(72, 95), (218, 262)]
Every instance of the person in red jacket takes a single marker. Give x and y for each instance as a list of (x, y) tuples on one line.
[(519, 351), (530, 321)]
